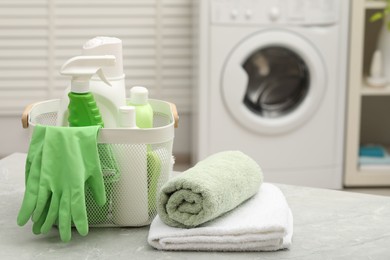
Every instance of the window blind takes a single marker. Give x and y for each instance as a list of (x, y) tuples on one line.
[(38, 36)]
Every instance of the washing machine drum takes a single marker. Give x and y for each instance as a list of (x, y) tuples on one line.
[(273, 82), (278, 81)]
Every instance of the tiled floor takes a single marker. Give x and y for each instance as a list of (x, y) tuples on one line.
[(376, 191)]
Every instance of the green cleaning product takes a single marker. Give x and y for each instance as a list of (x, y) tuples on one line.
[(83, 111), (144, 119), (143, 110)]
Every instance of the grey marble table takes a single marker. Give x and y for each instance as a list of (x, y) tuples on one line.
[(327, 225)]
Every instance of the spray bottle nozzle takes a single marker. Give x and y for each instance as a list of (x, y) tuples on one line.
[(82, 68)]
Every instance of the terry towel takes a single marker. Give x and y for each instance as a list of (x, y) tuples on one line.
[(212, 187), (262, 223)]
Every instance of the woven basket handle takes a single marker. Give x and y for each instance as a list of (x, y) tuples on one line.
[(175, 114), (25, 114)]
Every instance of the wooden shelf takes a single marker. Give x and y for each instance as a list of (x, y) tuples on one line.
[(377, 168), (357, 175), (372, 176), (375, 4)]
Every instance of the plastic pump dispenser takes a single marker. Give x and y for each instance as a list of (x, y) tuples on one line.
[(83, 110), (144, 112)]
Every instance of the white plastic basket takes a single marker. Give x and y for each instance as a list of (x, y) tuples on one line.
[(135, 163)]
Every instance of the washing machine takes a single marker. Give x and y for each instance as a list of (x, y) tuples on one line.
[(270, 80)]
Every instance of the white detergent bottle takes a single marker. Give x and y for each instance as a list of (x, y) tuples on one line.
[(130, 202), (107, 99)]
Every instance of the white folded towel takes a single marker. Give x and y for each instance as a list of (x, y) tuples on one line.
[(262, 223)]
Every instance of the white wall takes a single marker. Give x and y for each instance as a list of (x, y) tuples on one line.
[(13, 138)]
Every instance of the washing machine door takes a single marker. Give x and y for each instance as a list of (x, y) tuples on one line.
[(273, 82)]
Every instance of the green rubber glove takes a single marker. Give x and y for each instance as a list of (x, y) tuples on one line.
[(69, 161), (36, 167), (35, 149), (33, 164)]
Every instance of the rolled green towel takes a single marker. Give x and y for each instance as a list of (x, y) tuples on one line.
[(212, 187)]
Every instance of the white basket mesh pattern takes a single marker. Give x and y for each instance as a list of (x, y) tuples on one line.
[(132, 184), (160, 119), (46, 118), (133, 174)]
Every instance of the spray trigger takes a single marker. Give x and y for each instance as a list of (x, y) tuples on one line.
[(101, 75)]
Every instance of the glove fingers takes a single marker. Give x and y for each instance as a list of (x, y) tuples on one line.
[(27, 208), (31, 192), (52, 214), (35, 148), (79, 212), (96, 184), (36, 229), (42, 200), (95, 181), (64, 218)]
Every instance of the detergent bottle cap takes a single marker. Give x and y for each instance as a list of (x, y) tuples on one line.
[(139, 95), (127, 117), (82, 68), (103, 45)]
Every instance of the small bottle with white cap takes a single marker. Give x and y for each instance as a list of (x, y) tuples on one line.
[(143, 110), (127, 117), (130, 192), (144, 119)]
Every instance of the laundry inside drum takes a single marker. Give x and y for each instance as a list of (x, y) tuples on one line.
[(278, 82)]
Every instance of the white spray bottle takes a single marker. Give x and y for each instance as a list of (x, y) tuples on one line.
[(107, 99), (82, 108), (83, 111)]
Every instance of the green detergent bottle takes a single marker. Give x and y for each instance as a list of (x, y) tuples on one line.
[(143, 110), (83, 111), (139, 97)]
